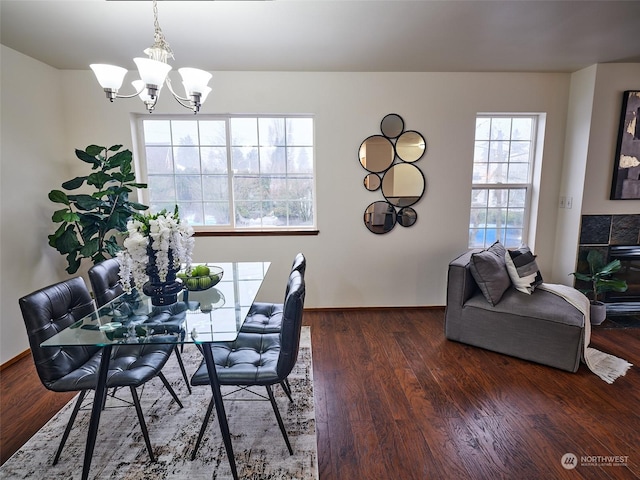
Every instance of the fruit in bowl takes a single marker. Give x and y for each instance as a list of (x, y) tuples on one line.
[(201, 277)]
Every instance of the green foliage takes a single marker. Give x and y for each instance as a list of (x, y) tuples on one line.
[(599, 276), (88, 222)]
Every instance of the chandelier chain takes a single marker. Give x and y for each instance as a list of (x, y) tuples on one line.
[(160, 41)]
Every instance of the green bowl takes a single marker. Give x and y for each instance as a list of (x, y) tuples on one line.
[(202, 282)]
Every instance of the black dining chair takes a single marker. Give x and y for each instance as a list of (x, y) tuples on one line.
[(106, 285), (65, 369), (258, 359), (264, 317)]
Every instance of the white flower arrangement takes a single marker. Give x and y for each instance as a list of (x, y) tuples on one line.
[(166, 232)]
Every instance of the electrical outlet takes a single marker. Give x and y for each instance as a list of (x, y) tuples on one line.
[(563, 201), (569, 202)]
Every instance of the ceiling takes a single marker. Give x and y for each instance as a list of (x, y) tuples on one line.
[(325, 35)]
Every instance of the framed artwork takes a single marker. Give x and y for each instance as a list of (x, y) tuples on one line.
[(626, 169)]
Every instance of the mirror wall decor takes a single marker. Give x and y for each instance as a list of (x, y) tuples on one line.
[(389, 158)]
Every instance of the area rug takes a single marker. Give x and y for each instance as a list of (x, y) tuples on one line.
[(120, 452)]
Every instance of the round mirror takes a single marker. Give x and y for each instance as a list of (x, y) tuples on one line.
[(411, 146), (392, 125), (376, 153), (380, 217), (372, 182), (403, 184), (407, 216)]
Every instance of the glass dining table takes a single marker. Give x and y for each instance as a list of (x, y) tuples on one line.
[(200, 317)]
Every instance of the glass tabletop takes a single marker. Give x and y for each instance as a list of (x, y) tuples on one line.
[(212, 315)]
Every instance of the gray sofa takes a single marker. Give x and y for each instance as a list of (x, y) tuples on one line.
[(541, 327)]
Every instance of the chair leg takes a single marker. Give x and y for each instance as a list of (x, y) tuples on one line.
[(168, 387), (287, 389), (279, 418), (184, 372), (67, 430), (143, 425), (203, 428)]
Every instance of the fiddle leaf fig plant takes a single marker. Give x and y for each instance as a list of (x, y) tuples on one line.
[(600, 276), (89, 221)]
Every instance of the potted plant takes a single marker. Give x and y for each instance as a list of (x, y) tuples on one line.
[(600, 279), (88, 220)]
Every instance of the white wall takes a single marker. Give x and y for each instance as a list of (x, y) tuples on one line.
[(611, 81), (573, 173), (34, 160), (348, 265)]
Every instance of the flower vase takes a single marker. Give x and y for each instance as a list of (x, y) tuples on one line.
[(161, 292)]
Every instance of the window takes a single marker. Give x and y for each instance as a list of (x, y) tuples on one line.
[(502, 179), (231, 172)]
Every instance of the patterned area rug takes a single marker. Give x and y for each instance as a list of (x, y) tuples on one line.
[(120, 451)]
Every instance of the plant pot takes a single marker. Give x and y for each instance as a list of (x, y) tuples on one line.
[(598, 313)]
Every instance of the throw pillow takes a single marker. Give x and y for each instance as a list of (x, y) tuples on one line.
[(523, 269), (490, 272)]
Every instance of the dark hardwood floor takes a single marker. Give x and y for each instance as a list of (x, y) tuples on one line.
[(396, 400)]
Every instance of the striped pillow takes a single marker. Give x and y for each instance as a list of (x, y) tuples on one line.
[(523, 269)]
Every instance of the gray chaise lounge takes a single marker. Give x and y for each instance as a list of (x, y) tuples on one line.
[(541, 327)]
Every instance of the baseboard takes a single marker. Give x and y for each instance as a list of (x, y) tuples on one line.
[(15, 359)]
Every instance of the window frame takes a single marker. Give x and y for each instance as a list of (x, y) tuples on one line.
[(528, 187), (137, 127)]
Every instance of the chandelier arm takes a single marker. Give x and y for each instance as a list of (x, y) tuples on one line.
[(176, 96)]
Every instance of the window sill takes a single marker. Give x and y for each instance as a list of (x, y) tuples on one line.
[(253, 233)]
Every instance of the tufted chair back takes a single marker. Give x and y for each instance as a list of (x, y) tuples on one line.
[(105, 281), (299, 265), (291, 324), (47, 312)]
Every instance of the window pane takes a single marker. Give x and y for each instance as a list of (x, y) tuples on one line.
[(157, 132), (185, 133), (213, 132), (216, 213), (498, 172), (271, 131), (300, 160), (522, 129), (244, 132), (481, 152), (272, 160), (300, 188), (244, 160), (246, 188), (188, 187), (520, 152), (192, 212), (500, 128), (498, 198), (161, 188), (214, 159), (300, 131), (517, 197), (159, 160), (518, 173), (215, 188), (483, 126), (480, 173), (187, 159), (499, 152), (479, 197)]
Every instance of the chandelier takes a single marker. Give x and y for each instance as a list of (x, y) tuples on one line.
[(154, 74)]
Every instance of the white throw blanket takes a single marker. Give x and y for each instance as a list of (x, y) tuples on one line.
[(606, 366)]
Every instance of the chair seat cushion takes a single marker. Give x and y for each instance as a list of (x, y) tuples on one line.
[(130, 365), (263, 318), (251, 360)]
